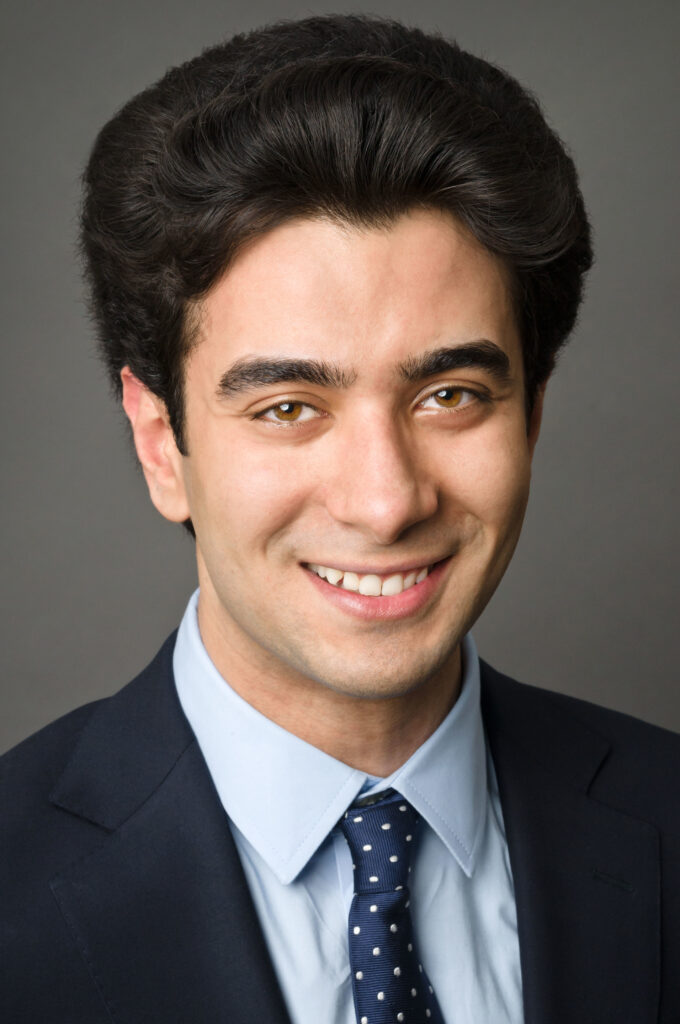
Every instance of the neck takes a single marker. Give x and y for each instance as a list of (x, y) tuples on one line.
[(373, 735)]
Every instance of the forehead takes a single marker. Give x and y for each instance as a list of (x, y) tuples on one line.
[(366, 297)]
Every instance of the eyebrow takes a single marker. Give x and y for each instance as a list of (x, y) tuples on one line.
[(483, 355), (249, 374)]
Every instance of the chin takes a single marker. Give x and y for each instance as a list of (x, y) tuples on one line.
[(389, 677)]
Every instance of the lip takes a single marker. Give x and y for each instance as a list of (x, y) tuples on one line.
[(398, 606)]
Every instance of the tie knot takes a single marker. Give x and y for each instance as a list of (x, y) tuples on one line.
[(380, 838)]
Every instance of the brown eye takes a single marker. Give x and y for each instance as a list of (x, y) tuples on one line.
[(286, 412), (449, 398)]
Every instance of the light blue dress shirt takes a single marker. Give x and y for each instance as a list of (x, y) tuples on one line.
[(284, 798)]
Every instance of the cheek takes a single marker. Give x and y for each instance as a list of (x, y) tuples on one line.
[(246, 497), (489, 480)]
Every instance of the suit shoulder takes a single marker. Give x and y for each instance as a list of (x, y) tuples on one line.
[(639, 774), (38, 761), (595, 716), (37, 834), (40, 756), (34, 838)]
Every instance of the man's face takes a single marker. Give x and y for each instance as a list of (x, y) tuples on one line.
[(332, 421)]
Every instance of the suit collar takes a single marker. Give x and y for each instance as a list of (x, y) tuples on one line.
[(127, 748), (160, 908), (586, 876), (540, 724)]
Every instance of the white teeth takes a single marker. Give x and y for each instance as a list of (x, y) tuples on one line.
[(370, 585), (392, 585)]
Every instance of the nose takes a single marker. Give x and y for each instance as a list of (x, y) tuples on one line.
[(379, 485)]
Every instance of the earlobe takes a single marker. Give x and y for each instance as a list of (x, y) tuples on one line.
[(156, 449)]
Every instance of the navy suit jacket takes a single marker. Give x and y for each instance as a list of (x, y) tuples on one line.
[(123, 898)]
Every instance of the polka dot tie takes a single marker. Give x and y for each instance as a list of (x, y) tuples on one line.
[(388, 979)]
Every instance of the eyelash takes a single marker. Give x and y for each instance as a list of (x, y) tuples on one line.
[(476, 396), (284, 423)]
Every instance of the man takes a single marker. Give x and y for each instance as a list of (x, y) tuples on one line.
[(332, 263)]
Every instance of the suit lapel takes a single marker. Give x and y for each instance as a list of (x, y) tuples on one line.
[(160, 910), (586, 876)]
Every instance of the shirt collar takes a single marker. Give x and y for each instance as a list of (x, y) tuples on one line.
[(285, 795)]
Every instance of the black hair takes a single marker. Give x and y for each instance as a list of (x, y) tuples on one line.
[(355, 118)]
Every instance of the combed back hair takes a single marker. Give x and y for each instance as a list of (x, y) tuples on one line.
[(347, 117)]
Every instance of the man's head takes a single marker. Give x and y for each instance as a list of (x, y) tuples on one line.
[(353, 118), (332, 263)]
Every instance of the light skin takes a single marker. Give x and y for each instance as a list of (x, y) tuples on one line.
[(355, 400)]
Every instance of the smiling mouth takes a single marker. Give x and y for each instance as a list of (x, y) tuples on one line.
[(372, 584)]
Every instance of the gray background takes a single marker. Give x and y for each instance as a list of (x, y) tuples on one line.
[(94, 579)]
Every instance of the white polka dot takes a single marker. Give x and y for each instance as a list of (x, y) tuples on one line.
[(414, 992), (376, 951), (373, 878), (356, 929), (428, 1013), (398, 888), (386, 826), (420, 968), (431, 990), (410, 948), (373, 907), (359, 975), (381, 996), (400, 1016), (397, 971), (358, 818), (367, 847), (402, 807), (409, 838), (408, 903), (364, 1020), (393, 927), (394, 858)]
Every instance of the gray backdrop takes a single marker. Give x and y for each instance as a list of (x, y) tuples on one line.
[(94, 579)]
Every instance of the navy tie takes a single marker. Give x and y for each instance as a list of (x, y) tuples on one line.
[(388, 979)]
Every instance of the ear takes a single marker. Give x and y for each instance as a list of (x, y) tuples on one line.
[(534, 424), (156, 448)]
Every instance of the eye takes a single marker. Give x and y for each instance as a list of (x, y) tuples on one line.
[(287, 412), (450, 398)]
